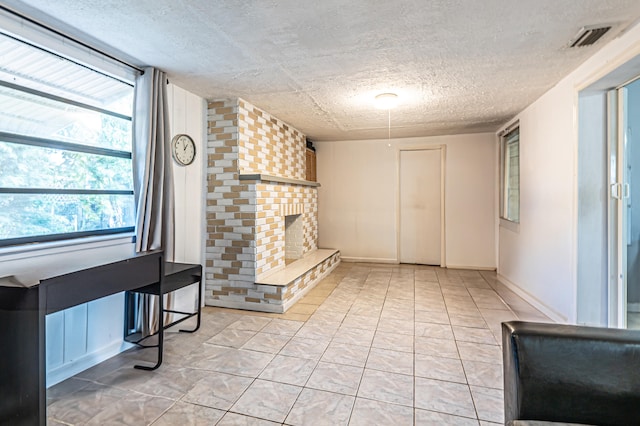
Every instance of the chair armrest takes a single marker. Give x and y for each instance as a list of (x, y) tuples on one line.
[(575, 374)]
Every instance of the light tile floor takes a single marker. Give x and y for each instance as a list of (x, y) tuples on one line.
[(370, 345)]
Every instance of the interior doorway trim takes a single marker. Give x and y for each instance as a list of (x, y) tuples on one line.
[(599, 303), (613, 74), (443, 156)]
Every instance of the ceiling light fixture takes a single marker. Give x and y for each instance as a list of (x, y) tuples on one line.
[(386, 101)]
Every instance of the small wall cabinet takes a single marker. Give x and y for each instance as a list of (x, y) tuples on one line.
[(311, 165)]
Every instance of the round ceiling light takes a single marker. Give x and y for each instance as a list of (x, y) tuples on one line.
[(386, 101)]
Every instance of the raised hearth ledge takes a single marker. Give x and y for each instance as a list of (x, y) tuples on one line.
[(299, 286), (278, 179), (294, 270)]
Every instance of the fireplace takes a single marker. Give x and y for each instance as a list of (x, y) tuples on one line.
[(293, 241), (262, 214)]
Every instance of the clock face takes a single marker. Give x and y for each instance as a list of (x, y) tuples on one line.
[(183, 149)]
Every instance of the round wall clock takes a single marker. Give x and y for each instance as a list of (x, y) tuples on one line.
[(183, 149)]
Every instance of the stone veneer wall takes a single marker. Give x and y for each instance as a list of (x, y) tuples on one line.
[(268, 145), (245, 218)]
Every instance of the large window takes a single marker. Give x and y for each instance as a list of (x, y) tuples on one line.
[(510, 174), (65, 148)]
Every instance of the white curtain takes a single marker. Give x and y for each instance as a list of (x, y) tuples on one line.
[(153, 180)]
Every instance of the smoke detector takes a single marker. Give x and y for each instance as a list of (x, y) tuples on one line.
[(589, 35)]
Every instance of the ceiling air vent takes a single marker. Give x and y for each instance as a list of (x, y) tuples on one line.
[(589, 35)]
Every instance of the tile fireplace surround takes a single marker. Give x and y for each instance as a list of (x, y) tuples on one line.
[(255, 178)]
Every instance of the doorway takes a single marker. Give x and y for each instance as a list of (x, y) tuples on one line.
[(629, 199), (608, 267), (623, 136), (421, 229), (608, 195)]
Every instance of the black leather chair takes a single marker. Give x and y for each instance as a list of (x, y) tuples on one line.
[(570, 374)]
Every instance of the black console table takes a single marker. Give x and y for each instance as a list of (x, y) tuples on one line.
[(22, 319)]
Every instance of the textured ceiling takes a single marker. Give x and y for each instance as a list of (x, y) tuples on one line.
[(459, 66)]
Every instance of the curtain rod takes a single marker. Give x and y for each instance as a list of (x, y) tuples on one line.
[(61, 34)]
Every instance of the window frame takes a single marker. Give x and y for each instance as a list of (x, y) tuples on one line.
[(505, 167), (26, 140)]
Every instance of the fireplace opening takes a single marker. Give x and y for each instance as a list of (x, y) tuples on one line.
[(292, 238)]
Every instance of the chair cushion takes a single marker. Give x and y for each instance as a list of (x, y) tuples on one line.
[(571, 374)]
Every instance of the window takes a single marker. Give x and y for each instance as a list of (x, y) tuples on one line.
[(65, 148), (510, 175)]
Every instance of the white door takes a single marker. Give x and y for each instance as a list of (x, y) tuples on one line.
[(420, 206)]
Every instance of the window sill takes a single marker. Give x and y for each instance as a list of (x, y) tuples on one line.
[(40, 249), (511, 226)]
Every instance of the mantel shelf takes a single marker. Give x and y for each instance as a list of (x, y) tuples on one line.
[(277, 179)]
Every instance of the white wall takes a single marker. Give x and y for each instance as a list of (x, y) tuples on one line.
[(358, 199), (187, 113), (592, 211), (540, 261), (85, 335)]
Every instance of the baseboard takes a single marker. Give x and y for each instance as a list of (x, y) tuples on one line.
[(533, 301), (367, 260), (473, 268), (70, 369), (349, 259)]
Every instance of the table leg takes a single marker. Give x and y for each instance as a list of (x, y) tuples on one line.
[(160, 344), (199, 312)]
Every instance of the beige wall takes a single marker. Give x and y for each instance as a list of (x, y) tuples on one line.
[(358, 199)]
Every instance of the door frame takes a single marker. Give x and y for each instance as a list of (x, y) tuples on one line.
[(618, 220), (443, 156), (621, 70)]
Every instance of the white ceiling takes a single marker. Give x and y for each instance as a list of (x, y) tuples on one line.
[(459, 66)]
